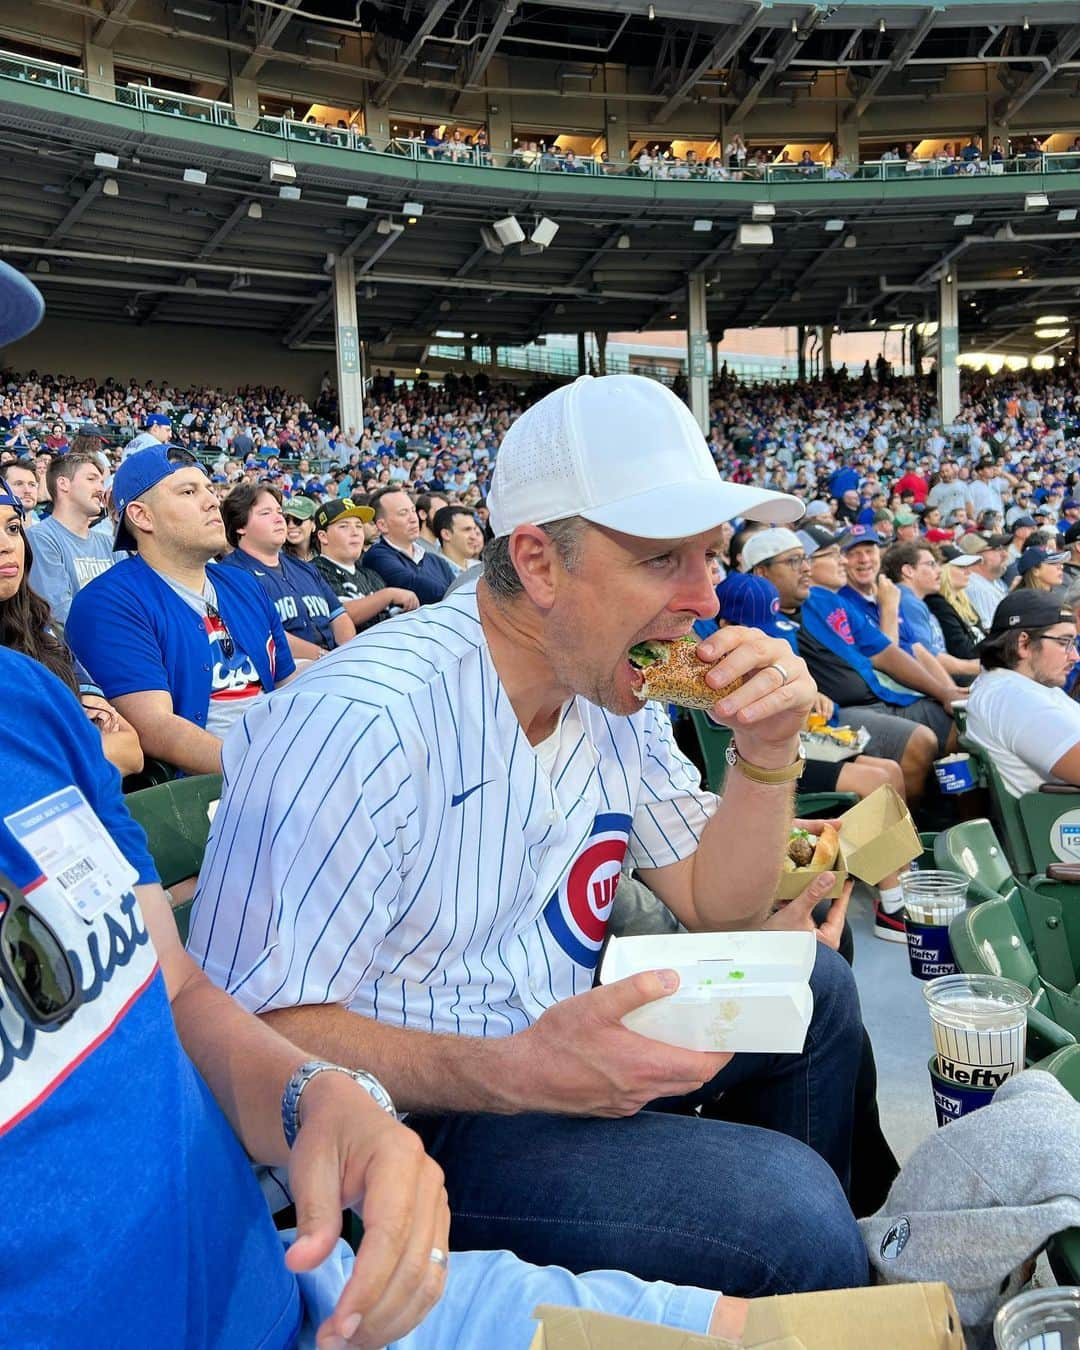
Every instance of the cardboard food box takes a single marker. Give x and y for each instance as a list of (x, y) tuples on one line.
[(877, 836), (737, 991), (895, 1317)]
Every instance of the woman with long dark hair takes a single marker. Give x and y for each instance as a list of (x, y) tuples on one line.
[(27, 626)]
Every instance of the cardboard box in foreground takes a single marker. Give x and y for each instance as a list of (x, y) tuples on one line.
[(892, 1317), (877, 836)]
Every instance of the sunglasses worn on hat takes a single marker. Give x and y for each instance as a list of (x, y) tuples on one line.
[(34, 965)]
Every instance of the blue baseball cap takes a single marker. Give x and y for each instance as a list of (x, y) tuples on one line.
[(751, 602), (859, 534), (158, 420), (138, 474), (22, 306)]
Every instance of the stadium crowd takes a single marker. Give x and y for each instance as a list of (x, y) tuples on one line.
[(171, 556)]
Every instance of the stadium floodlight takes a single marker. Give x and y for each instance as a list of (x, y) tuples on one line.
[(289, 194), (851, 242), (103, 160), (702, 226), (110, 187), (753, 236), (544, 231), (1036, 201), (281, 171), (355, 202), (1068, 213), (412, 208), (195, 176), (964, 218), (763, 211), (1048, 334), (508, 230), (1051, 320), (834, 226), (490, 240), (254, 211)]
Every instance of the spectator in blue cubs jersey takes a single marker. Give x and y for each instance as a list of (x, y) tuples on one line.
[(181, 646), (313, 617)]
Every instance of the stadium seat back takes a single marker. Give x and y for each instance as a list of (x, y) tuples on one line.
[(972, 847), (1064, 1249), (1007, 817), (1040, 812), (176, 819), (714, 741)]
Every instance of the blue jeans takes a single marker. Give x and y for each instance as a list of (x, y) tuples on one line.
[(740, 1204)]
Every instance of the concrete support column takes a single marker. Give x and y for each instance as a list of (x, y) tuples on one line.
[(826, 347), (800, 338), (948, 372), (601, 351), (616, 115), (350, 384), (244, 97), (100, 72), (698, 349), (716, 358), (581, 354), (847, 143), (500, 121)]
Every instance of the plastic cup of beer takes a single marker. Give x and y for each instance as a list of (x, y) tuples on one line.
[(979, 1024), (932, 899), (1041, 1319)]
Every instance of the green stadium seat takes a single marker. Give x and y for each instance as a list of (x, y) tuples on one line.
[(714, 741), (972, 847), (176, 819), (997, 937), (1064, 1249), (1025, 824)]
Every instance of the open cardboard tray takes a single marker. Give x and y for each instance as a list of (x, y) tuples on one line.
[(737, 991), (895, 1317), (829, 751), (877, 836)]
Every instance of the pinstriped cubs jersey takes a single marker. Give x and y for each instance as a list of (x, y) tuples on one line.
[(389, 840)]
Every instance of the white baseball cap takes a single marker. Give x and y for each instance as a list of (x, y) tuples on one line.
[(766, 544), (621, 451)]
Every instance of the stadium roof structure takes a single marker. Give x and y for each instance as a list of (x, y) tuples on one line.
[(146, 240)]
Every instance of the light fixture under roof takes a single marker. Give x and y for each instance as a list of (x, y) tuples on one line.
[(355, 202), (196, 176), (201, 15), (1048, 334), (753, 236), (1036, 201), (544, 231), (289, 194), (763, 211), (1067, 213), (281, 171), (834, 226), (964, 218), (110, 187), (851, 242), (103, 160), (325, 43), (388, 226), (412, 208), (702, 226), (254, 211), (623, 241), (508, 230)]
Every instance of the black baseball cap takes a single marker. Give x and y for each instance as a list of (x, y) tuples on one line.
[(1072, 534), (340, 508), (815, 537), (1026, 610)]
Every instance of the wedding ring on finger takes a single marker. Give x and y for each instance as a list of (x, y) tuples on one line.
[(438, 1257), (784, 676)]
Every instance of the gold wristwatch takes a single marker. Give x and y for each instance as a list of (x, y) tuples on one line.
[(788, 774)]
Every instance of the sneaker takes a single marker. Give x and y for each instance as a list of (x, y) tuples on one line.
[(888, 926)]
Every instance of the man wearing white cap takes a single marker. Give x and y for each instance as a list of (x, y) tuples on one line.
[(429, 898)]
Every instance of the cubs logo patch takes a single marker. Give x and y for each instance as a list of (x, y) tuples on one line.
[(840, 624), (577, 914)]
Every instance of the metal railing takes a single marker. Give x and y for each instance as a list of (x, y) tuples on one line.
[(536, 157)]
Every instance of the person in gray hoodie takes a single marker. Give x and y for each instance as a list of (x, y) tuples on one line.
[(979, 1199)]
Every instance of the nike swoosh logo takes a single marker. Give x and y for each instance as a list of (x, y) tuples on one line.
[(459, 797)]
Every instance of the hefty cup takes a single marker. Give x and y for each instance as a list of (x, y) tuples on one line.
[(955, 773), (1041, 1319), (953, 1100), (932, 900), (980, 1028)]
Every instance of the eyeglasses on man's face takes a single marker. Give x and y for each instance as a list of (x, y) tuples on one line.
[(796, 561), (1067, 642)]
